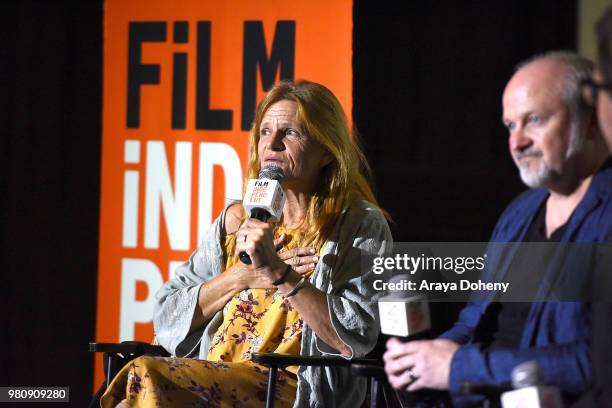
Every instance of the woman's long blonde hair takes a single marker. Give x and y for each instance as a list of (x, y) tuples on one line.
[(344, 179)]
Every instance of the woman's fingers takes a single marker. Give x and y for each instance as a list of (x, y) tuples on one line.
[(251, 238), (280, 241), (301, 251), (301, 259), (302, 269)]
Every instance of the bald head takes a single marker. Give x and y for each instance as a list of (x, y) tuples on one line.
[(579, 69), (538, 80)]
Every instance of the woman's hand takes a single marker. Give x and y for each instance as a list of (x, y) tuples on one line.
[(255, 238), (302, 259), (215, 293)]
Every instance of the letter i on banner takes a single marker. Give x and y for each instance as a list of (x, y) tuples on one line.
[(180, 90)]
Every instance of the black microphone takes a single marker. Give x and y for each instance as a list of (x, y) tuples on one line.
[(264, 199), (529, 390)]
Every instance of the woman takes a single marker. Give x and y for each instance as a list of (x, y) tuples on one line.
[(220, 310)]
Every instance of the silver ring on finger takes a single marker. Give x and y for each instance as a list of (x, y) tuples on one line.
[(412, 377)]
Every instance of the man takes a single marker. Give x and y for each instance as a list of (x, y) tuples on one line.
[(599, 92), (559, 151), (603, 76)]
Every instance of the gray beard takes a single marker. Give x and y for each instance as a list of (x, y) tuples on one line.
[(542, 176), (538, 178)]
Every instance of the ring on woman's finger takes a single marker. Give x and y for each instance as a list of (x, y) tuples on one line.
[(412, 377)]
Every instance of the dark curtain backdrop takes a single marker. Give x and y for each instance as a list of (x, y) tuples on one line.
[(51, 73), (428, 78)]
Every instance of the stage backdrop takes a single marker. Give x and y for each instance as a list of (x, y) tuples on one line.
[(181, 81)]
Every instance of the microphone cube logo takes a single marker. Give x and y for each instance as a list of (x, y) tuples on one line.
[(404, 316), (260, 192)]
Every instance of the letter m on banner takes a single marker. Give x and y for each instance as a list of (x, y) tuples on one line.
[(282, 60)]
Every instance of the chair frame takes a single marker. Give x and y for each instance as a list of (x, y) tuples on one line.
[(127, 349), (369, 367)]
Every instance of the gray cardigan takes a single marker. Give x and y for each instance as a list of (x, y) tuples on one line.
[(360, 230)]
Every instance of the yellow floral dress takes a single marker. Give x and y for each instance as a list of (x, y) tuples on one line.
[(253, 320)]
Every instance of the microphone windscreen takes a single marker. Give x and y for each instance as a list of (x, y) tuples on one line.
[(401, 288), (272, 173), (527, 374)]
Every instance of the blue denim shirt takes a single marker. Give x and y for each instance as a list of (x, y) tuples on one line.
[(556, 334)]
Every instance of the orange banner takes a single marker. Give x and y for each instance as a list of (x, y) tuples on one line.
[(181, 81)]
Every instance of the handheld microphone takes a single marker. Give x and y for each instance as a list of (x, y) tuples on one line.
[(403, 313), (529, 390), (264, 199)]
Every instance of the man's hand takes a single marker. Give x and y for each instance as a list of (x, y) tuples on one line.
[(419, 364)]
